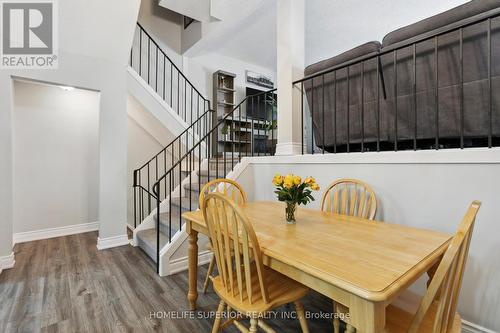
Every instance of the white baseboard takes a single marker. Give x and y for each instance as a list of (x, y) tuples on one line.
[(468, 327), (109, 242), (7, 262), (28, 236), (182, 264)]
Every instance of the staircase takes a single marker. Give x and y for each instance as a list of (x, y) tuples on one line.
[(170, 182)]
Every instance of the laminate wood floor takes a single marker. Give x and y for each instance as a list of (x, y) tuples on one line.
[(65, 284)]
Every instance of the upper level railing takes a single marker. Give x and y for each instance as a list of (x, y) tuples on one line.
[(152, 63), (434, 91)]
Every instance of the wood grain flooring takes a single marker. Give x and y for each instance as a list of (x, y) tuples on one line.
[(65, 284)]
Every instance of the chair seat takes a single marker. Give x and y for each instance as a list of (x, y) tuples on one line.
[(281, 290), (401, 312)]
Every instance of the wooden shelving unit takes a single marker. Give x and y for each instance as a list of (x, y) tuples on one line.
[(239, 133)]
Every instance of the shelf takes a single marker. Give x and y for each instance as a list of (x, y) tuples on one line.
[(235, 141), (245, 120), (225, 104), (225, 90)]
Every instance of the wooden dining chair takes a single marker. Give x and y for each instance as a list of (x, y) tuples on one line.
[(244, 284), (230, 189), (350, 197), (436, 312)]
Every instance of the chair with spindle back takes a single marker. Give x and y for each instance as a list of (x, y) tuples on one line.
[(244, 283), (229, 188), (350, 197), (436, 312)]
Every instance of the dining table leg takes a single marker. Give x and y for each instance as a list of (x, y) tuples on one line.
[(193, 269), (365, 316)]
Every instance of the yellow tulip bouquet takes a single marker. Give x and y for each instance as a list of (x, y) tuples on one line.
[(292, 190)]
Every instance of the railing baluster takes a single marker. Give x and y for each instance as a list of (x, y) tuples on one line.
[(140, 52), (164, 81), (135, 204), (178, 94), (158, 232), (171, 84), (436, 92), (378, 102), (239, 134), (348, 108), (490, 99), (415, 117), (156, 71), (170, 190), (149, 58), (312, 116), (335, 111), (323, 109), (149, 186), (461, 88), (259, 106), (362, 106), (395, 100), (302, 115)]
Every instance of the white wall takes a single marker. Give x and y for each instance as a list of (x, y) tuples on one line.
[(93, 54), (425, 189), (146, 137), (333, 27), (201, 69), (6, 168), (56, 159), (164, 25)]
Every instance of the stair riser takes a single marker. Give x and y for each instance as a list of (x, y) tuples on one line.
[(146, 247)]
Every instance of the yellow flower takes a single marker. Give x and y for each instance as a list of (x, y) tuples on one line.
[(314, 186), (278, 179), (288, 181), (297, 180), (309, 180)]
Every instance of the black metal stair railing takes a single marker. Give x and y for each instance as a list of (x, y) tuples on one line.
[(412, 95), (149, 173), (155, 67), (250, 130)]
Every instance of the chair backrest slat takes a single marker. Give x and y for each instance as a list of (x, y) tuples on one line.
[(234, 241), (229, 188), (447, 281), (350, 197)]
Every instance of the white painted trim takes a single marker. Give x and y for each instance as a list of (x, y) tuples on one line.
[(448, 156), (28, 236), (7, 262), (468, 327), (109, 242), (288, 148), (169, 250), (182, 264)]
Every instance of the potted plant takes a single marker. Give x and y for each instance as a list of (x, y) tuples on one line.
[(225, 132), (293, 191), (271, 121)]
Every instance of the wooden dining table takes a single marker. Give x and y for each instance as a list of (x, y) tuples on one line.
[(361, 264)]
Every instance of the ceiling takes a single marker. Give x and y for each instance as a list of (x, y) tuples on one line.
[(255, 41), (332, 27)]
